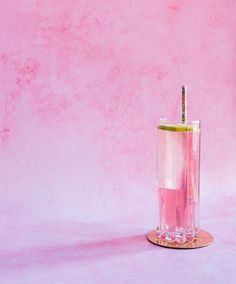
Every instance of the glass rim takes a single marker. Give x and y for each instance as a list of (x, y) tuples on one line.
[(164, 121)]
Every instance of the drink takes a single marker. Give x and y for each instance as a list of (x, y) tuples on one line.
[(178, 180)]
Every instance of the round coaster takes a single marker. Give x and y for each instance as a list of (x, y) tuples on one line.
[(204, 239)]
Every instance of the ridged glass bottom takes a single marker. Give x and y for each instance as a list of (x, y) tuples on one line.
[(179, 235)]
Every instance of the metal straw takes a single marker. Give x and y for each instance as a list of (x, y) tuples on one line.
[(184, 104)]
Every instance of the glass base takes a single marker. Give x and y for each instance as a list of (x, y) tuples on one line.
[(179, 235), (203, 239)]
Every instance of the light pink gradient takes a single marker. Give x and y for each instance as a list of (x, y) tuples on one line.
[(83, 84)]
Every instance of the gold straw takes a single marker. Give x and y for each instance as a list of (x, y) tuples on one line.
[(184, 104)]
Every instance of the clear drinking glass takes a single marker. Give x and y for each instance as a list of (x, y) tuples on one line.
[(178, 168)]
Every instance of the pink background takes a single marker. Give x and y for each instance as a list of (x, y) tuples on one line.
[(82, 86)]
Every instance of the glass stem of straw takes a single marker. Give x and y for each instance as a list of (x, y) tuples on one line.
[(184, 104)]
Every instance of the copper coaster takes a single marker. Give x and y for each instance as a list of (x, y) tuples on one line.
[(204, 239)]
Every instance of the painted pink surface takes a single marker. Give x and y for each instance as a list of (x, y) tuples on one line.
[(83, 84)]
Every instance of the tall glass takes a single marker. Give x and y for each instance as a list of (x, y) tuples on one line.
[(178, 167)]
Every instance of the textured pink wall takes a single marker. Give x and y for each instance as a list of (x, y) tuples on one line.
[(83, 84)]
